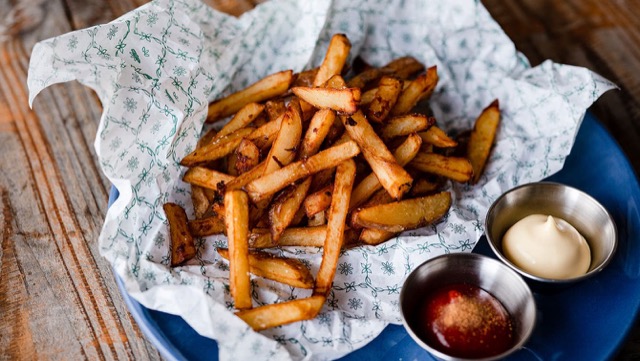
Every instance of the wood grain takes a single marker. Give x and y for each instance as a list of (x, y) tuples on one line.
[(58, 296)]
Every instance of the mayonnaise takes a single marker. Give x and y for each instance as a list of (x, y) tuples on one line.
[(547, 247)]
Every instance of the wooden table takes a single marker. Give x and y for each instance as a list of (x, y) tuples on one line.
[(58, 297)]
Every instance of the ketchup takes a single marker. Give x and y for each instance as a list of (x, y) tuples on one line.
[(463, 320)]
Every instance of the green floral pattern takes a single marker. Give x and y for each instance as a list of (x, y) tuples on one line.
[(156, 68)]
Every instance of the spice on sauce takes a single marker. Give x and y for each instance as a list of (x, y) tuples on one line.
[(463, 320)]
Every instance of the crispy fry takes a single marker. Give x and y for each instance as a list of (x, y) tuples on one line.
[(370, 184), (268, 87), (318, 129), (285, 206), (341, 100), (244, 158), (207, 178), (403, 215), (217, 149), (481, 140), (243, 117), (390, 174), (284, 147), (305, 78), (345, 176), (373, 236), (384, 99), (265, 186), (406, 124), (201, 201), (206, 226), (437, 137), (419, 88), (236, 205), (275, 108), (296, 236), (277, 314), (422, 186), (456, 168), (264, 135), (401, 68), (334, 59), (284, 270), (182, 245), (318, 201)]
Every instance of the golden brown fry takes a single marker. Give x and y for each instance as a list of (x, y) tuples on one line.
[(264, 135), (406, 124), (242, 180), (305, 78), (481, 140), (206, 226), (201, 201), (266, 88), (390, 174), (295, 236), (403, 215), (437, 137), (284, 147), (345, 176), (275, 108), (370, 184), (277, 314), (384, 99), (373, 236), (318, 219), (236, 205), (285, 207), (420, 87), (244, 158), (335, 82), (401, 68), (182, 245), (284, 270), (423, 186), (456, 168), (319, 127), (318, 201), (217, 149), (208, 178), (341, 100), (265, 186), (241, 119), (334, 59)]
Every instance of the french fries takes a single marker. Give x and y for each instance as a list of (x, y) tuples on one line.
[(182, 246), (282, 173), (284, 270), (481, 139)]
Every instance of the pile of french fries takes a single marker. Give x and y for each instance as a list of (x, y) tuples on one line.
[(311, 159)]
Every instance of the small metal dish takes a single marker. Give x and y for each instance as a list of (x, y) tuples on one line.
[(489, 274), (582, 211)]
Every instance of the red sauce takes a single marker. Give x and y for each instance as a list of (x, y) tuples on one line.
[(463, 320)]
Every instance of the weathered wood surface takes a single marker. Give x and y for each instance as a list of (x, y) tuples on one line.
[(58, 297)]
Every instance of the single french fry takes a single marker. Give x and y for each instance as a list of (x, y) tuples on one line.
[(244, 158), (284, 270), (266, 88), (206, 226), (284, 147), (437, 137), (236, 205), (482, 137), (419, 88), (401, 68), (285, 207), (241, 119), (267, 185), (384, 99), (373, 236), (456, 168), (390, 174), (207, 178), (345, 176), (182, 245), (403, 215), (277, 314), (341, 100), (370, 184), (200, 200), (406, 124), (334, 59), (319, 127), (335, 82), (295, 236), (217, 149), (318, 201)]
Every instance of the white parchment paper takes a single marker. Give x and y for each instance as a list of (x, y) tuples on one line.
[(156, 68)]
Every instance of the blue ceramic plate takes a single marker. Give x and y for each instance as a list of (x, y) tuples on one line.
[(588, 321)]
